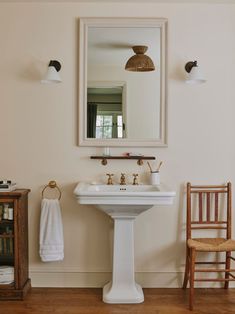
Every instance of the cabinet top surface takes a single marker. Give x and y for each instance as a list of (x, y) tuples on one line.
[(17, 192)]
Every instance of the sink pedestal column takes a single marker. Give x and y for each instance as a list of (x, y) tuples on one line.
[(123, 288)]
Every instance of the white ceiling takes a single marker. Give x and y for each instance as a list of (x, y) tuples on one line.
[(113, 46), (136, 1)]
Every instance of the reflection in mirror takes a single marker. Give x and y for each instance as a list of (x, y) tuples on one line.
[(119, 107), (105, 111)]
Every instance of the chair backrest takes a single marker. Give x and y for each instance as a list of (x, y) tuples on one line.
[(206, 204)]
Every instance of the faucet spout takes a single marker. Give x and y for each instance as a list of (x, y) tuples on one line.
[(135, 180), (122, 179)]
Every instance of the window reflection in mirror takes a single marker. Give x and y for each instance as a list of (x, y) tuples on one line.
[(105, 118)]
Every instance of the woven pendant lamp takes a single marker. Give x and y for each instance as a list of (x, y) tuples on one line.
[(140, 62)]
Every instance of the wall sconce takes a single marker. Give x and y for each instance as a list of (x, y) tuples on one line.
[(194, 73), (140, 62), (52, 75)]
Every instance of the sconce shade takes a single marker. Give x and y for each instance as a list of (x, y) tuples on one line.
[(140, 62), (194, 74), (52, 75)]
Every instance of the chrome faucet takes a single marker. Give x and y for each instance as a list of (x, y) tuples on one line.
[(122, 179)]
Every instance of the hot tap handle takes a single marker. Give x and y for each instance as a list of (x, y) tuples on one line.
[(110, 175)]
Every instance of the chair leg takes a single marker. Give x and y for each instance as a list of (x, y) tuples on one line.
[(192, 269), (227, 266), (186, 272)]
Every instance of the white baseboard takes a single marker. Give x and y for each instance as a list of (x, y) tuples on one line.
[(71, 277)]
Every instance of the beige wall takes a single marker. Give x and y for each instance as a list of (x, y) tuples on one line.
[(39, 125)]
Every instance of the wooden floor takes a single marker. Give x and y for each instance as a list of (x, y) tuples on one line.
[(87, 301)]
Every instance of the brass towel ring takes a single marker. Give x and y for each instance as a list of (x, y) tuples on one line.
[(52, 185)]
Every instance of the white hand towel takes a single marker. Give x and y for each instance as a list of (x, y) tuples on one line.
[(51, 231)]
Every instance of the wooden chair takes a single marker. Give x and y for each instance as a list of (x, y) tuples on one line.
[(211, 211)]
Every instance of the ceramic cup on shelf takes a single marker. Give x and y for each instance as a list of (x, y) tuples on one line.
[(155, 178)]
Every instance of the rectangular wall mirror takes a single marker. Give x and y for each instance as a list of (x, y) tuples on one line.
[(121, 102)]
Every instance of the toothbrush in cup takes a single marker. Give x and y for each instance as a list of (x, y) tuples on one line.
[(159, 166), (150, 168)]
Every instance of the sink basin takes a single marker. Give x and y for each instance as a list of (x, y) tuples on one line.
[(123, 203), (123, 199)]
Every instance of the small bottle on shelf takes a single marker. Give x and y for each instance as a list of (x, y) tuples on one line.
[(10, 213), (5, 211)]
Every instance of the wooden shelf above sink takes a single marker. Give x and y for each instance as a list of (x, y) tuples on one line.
[(138, 158)]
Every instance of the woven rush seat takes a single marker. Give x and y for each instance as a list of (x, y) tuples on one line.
[(211, 244)]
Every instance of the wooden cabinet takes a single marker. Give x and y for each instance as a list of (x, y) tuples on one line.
[(14, 268)]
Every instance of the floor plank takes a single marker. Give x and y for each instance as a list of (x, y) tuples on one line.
[(89, 301)]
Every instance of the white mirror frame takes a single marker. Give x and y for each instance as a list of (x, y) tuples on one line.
[(84, 24)]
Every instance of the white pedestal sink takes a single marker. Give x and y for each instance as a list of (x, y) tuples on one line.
[(123, 203)]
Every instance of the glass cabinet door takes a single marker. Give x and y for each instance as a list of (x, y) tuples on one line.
[(6, 242)]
